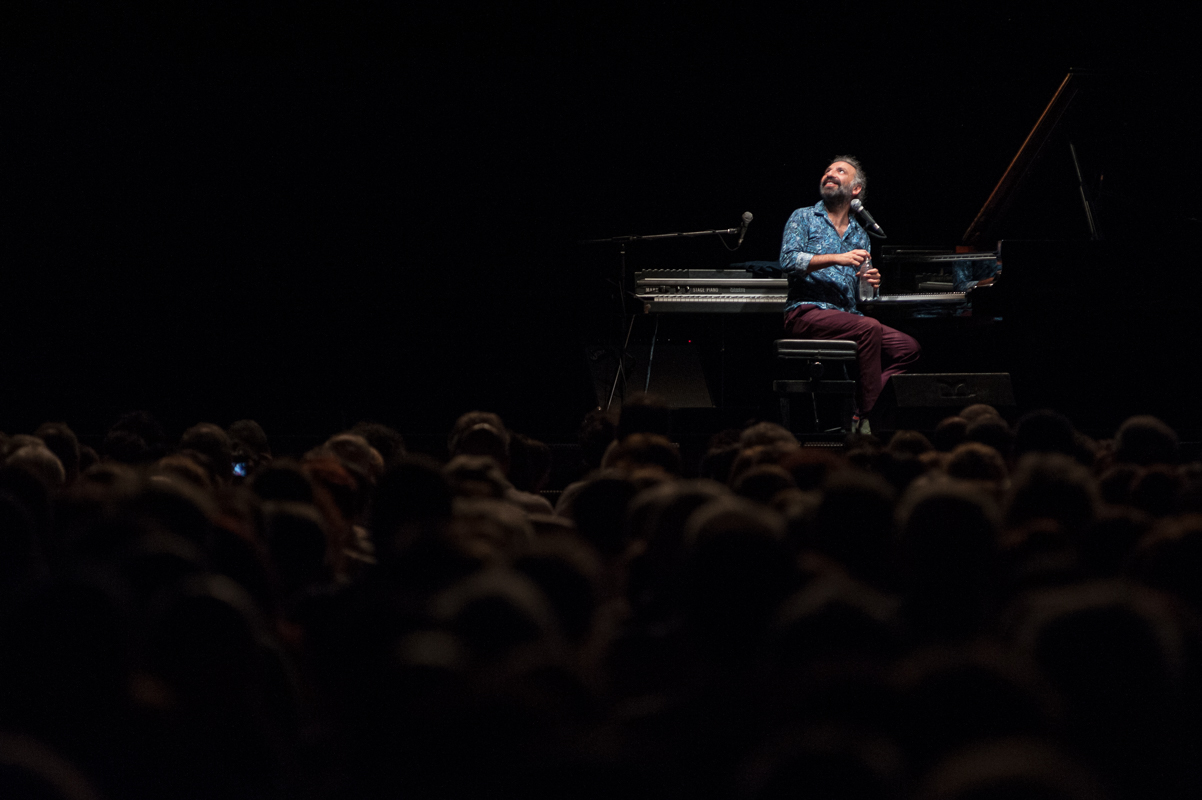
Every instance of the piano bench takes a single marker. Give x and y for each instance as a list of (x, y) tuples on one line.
[(815, 356)]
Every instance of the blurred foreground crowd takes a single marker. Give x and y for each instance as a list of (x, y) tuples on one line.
[(991, 611)]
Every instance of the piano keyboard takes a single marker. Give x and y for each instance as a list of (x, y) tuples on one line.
[(713, 303), (773, 303), (918, 297)]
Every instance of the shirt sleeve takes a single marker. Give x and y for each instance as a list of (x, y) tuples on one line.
[(797, 233)]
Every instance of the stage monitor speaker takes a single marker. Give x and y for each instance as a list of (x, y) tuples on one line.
[(924, 399)]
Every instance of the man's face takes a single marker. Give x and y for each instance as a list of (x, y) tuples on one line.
[(836, 184)]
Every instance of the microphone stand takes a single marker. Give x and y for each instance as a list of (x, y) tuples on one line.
[(623, 352)]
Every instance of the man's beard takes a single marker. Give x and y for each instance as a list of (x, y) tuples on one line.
[(834, 196)]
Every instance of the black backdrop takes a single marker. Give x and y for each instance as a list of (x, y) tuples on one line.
[(310, 214)]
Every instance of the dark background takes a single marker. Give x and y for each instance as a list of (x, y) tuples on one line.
[(309, 214)]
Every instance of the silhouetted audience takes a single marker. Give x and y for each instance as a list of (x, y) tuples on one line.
[(959, 614)]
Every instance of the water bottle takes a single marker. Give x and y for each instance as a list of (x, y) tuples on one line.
[(867, 290)]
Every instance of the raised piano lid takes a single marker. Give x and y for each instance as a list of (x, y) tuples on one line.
[(1105, 143), (1003, 194)]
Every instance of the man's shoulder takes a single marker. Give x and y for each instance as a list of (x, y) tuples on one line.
[(857, 230), (808, 213)]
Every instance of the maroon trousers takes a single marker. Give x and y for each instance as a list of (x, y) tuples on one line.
[(881, 351)]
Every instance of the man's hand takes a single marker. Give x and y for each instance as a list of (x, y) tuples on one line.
[(873, 276), (854, 259)]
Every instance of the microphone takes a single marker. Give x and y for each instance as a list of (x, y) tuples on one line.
[(743, 228), (866, 218)]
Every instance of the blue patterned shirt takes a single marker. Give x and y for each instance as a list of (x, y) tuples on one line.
[(809, 233)]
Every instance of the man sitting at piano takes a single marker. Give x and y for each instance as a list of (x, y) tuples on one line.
[(823, 252)]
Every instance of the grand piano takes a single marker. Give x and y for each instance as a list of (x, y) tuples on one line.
[(1096, 294)]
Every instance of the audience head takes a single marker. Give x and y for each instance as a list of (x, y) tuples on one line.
[(762, 483), (497, 613), (386, 441), (992, 431), (1145, 440), (596, 432), (480, 433), (950, 432), (212, 442), (358, 455), (1044, 431), (476, 476), (284, 480), (1027, 768), (599, 511), (39, 461), (1052, 487), (948, 554), (720, 455), (911, 443), (412, 500), (978, 411), (297, 542), (1170, 559), (127, 447), (974, 461), (185, 467), (136, 434), (640, 451), (249, 448), (766, 433), (567, 573), (854, 524), (249, 435), (644, 413), (61, 441), (811, 466), (529, 463), (737, 567)]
